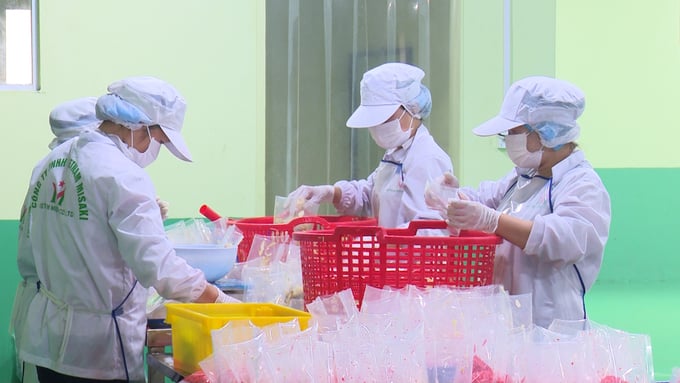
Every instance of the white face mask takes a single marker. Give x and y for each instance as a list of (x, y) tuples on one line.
[(516, 146), (147, 157), (389, 135)]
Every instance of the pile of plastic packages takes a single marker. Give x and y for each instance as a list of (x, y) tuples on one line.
[(436, 335)]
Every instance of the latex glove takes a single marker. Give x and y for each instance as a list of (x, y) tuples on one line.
[(305, 198), (465, 214), (440, 191), (224, 298), (164, 206)]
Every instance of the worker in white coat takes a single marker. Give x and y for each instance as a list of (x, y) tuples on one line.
[(69, 118), (66, 120), (91, 241), (552, 210), (394, 103)]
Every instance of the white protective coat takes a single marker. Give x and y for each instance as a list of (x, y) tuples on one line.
[(90, 227), (575, 233), (386, 196)]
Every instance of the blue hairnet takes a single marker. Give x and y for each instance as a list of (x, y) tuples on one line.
[(421, 105), (113, 108), (554, 135)]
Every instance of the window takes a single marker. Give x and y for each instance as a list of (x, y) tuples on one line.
[(18, 44)]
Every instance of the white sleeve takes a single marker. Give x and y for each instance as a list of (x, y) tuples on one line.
[(143, 243)]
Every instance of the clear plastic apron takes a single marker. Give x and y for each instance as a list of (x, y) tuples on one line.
[(528, 198), (386, 196)]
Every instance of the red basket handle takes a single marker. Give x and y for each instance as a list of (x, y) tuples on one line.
[(418, 224), (377, 231), (315, 219)]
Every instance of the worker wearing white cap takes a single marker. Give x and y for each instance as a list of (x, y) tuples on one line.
[(393, 104), (69, 118), (552, 210), (91, 241)]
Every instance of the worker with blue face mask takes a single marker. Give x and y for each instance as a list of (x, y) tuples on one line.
[(394, 103), (91, 241), (552, 210)]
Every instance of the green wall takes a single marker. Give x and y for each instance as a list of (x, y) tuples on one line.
[(9, 278), (211, 50)]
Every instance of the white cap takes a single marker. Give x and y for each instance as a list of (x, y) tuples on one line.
[(161, 103), (383, 90), (69, 118), (534, 100)]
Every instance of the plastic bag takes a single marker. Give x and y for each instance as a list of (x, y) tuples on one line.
[(438, 194), (285, 209), (273, 273), (197, 231)]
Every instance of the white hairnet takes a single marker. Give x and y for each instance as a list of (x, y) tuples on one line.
[(69, 118), (385, 88), (142, 101), (547, 105)]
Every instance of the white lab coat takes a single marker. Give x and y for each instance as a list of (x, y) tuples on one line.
[(394, 200), (575, 233), (90, 227)]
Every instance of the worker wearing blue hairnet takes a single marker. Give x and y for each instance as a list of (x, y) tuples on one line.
[(394, 103), (552, 210), (69, 118), (91, 241)]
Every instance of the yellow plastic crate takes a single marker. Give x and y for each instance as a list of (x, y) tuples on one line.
[(192, 322)]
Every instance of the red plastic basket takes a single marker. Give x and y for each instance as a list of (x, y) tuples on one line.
[(283, 231), (354, 257)]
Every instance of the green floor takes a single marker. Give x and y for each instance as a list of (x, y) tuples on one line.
[(651, 308)]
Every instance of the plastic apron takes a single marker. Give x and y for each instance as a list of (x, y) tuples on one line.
[(386, 196), (530, 196)]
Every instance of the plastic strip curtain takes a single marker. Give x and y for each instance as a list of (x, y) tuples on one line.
[(323, 77)]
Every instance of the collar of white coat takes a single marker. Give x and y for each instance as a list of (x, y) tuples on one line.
[(562, 167), (398, 154)]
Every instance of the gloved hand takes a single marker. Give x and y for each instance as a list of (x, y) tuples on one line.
[(465, 214), (163, 205), (305, 200), (440, 191), (315, 194), (224, 298)]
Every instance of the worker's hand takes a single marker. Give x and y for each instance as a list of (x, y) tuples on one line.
[(440, 191), (465, 214), (164, 206), (311, 195), (224, 298)]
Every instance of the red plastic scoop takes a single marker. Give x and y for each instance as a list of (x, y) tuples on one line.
[(209, 213)]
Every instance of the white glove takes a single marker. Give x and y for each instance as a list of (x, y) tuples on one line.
[(466, 214), (307, 199), (164, 206), (224, 298), (440, 191)]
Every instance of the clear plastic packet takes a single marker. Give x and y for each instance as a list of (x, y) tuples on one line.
[(613, 355), (437, 197), (273, 273), (237, 350), (286, 208), (197, 231)]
